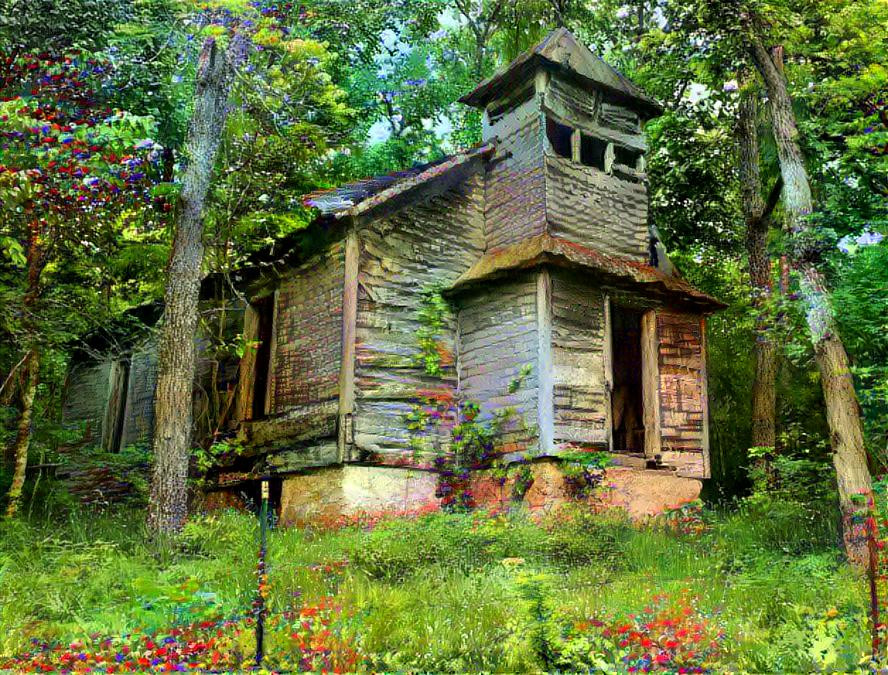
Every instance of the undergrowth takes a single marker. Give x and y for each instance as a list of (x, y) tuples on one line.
[(763, 584)]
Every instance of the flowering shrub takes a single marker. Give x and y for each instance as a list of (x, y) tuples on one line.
[(302, 638), (685, 519), (666, 636)]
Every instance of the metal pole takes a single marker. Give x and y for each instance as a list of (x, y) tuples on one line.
[(263, 576)]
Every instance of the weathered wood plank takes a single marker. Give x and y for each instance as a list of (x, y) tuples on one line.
[(650, 384)]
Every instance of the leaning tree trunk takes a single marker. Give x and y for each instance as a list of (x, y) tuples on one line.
[(764, 398), (842, 408), (176, 359), (23, 433)]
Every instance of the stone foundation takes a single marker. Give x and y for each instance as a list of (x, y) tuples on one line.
[(639, 492), (328, 493)]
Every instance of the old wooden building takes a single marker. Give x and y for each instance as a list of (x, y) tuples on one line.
[(539, 240), (539, 244)]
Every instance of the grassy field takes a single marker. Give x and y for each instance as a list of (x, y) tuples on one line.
[(758, 588)]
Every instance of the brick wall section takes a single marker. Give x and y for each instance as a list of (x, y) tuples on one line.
[(308, 333), (515, 189), (578, 359), (498, 335), (432, 241), (681, 395)]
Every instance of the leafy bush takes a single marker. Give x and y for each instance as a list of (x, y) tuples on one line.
[(578, 536), (396, 549)]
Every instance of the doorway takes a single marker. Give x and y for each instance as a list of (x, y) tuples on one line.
[(627, 403)]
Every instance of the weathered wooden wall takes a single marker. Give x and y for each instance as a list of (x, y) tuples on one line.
[(682, 390), (592, 208), (432, 241), (87, 396), (138, 420), (578, 356), (605, 208), (515, 188), (308, 334), (498, 335)]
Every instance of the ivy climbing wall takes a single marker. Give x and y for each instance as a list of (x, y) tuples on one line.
[(498, 336), (429, 243)]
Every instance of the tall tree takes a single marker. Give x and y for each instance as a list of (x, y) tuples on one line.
[(756, 214), (842, 408), (216, 71)]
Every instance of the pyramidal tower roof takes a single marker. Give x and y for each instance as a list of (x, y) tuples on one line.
[(561, 51)]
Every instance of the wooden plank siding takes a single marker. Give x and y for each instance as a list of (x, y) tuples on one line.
[(578, 343), (307, 345), (515, 190), (429, 242), (682, 392), (499, 334), (595, 209)]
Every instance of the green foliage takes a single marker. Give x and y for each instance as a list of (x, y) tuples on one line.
[(451, 591), (433, 309)]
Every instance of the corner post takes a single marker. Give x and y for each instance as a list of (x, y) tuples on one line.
[(546, 390), (650, 384), (345, 436)]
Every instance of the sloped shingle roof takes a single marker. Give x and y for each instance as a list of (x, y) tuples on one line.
[(561, 50), (545, 248), (355, 198)]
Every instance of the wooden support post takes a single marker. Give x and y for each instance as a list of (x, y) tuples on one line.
[(650, 384), (546, 390), (247, 370), (608, 359), (575, 146), (347, 361), (704, 400), (272, 353)]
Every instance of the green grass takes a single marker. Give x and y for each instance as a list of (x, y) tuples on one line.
[(436, 594)]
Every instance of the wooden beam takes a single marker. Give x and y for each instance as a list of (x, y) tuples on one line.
[(272, 353), (347, 361), (704, 396), (608, 360), (246, 380), (650, 384), (545, 378)]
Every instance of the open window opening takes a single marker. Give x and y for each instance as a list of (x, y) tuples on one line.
[(265, 309), (559, 136), (627, 408), (626, 156), (592, 151)]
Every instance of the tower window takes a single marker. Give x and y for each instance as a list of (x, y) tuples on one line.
[(592, 151), (626, 156), (559, 137)]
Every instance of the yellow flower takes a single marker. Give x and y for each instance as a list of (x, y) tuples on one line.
[(512, 562), (832, 613)]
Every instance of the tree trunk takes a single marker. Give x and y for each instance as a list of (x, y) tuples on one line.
[(842, 408), (757, 225), (23, 433), (176, 360)]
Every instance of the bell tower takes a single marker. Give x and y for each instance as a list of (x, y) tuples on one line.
[(570, 158)]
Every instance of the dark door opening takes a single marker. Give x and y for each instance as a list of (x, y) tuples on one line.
[(627, 411), (265, 310)]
